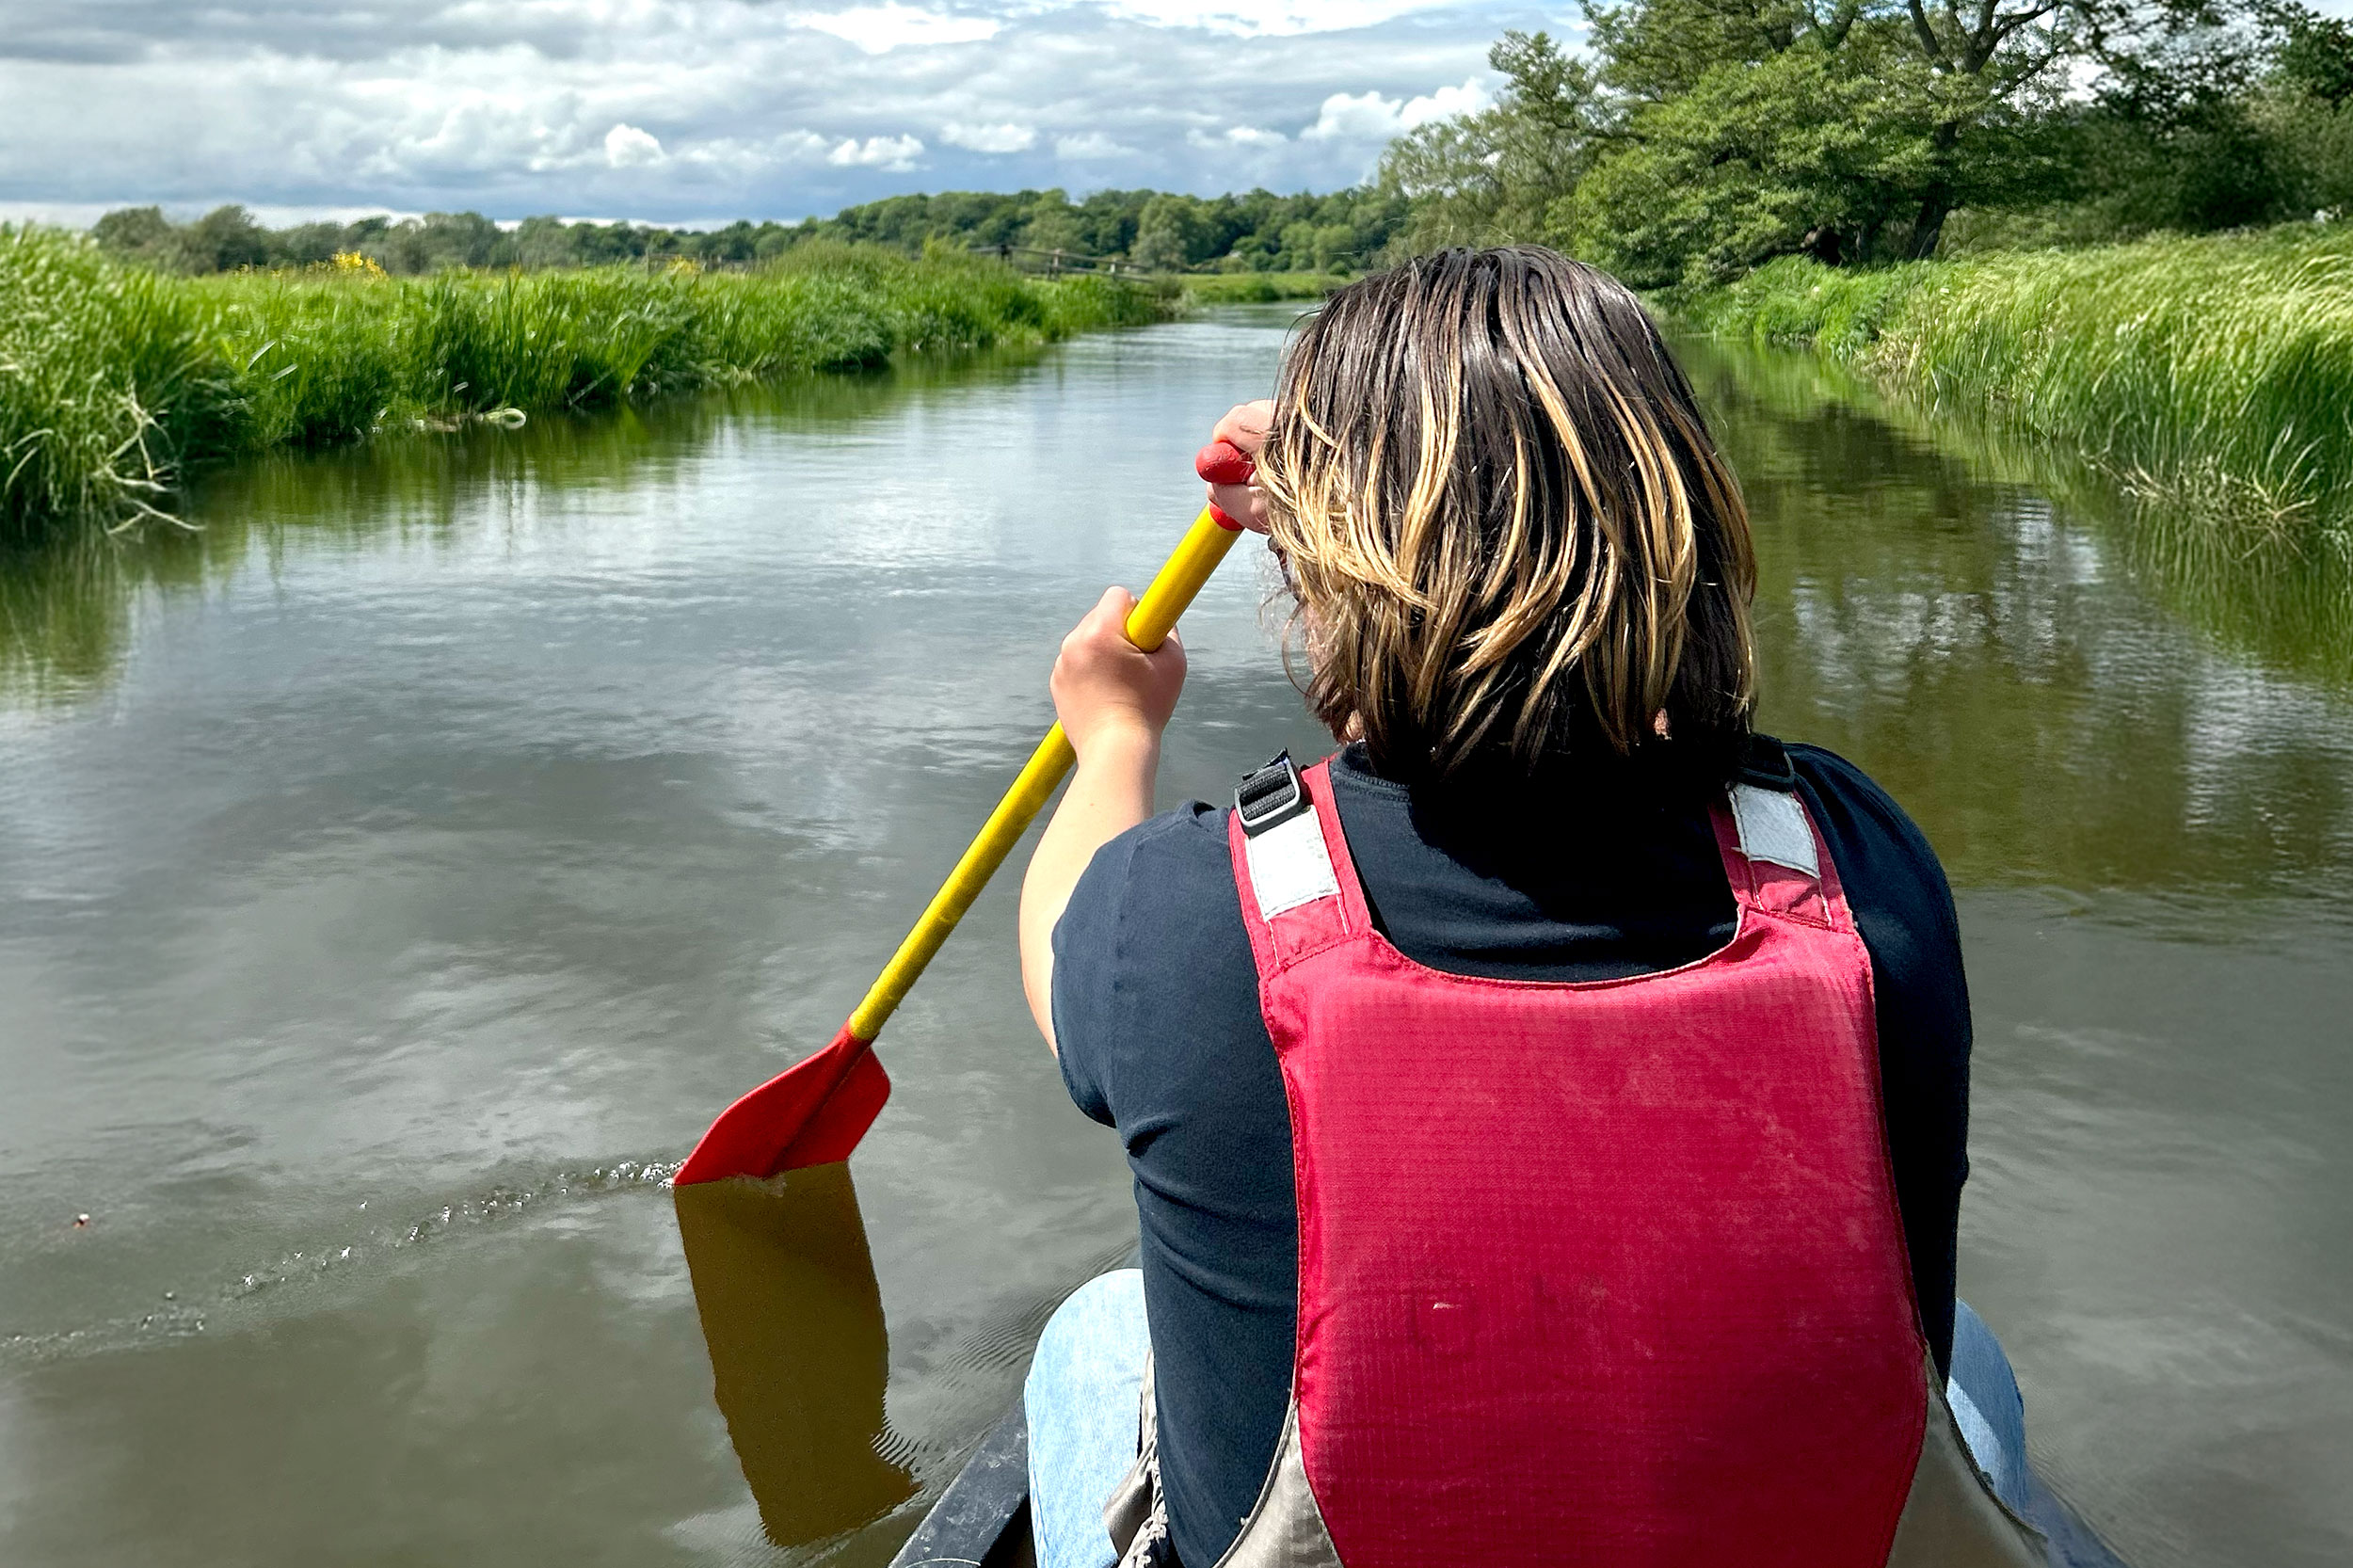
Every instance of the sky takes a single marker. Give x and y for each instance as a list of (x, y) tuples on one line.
[(702, 111)]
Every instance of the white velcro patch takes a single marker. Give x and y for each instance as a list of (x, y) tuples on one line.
[(1290, 866), (1773, 827)]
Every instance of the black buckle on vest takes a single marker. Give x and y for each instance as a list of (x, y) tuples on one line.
[(1271, 796), (1765, 764)]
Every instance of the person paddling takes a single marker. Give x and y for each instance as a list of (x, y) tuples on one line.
[(1547, 1113)]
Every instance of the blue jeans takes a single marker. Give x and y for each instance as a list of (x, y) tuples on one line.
[(1088, 1375)]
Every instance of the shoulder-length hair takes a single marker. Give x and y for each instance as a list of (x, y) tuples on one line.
[(1509, 535)]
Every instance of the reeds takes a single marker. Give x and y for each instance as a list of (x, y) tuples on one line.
[(106, 374), (2212, 376), (1836, 309), (114, 380)]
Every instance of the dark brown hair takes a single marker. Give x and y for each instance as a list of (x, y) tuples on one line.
[(1508, 531)]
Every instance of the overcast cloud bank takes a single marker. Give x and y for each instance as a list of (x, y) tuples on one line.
[(683, 110)]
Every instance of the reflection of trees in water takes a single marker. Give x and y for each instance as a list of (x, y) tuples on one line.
[(68, 611), (2056, 693), (2282, 596)]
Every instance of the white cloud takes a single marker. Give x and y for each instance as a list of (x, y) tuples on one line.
[(1275, 18), (879, 29), (627, 146), (1374, 116), (1094, 144), (894, 153), (1237, 143), (990, 138), (516, 107), (733, 158)]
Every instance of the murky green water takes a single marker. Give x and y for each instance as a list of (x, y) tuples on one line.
[(393, 880)]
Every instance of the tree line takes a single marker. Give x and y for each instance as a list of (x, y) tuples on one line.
[(1157, 231), (1696, 139)]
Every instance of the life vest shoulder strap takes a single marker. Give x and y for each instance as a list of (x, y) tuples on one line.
[(1298, 882), (1774, 856), (1300, 893)]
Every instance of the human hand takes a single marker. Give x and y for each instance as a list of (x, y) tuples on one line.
[(1245, 427), (1107, 691)]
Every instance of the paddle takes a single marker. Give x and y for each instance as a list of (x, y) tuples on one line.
[(800, 1358), (815, 1111)]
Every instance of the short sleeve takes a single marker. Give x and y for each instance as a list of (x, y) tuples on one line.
[(1153, 977), (1086, 963)]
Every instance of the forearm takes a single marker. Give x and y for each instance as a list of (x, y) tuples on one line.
[(1109, 793)]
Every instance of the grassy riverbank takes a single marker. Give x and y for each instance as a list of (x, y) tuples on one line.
[(2213, 375), (1256, 288), (115, 381)]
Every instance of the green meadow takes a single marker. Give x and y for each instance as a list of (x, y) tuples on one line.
[(1258, 288)]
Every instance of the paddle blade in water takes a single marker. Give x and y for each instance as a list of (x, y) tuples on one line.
[(812, 1114), (800, 1360)]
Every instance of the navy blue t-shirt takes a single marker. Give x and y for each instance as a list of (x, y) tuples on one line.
[(1155, 1014)]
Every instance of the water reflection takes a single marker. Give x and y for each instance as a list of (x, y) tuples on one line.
[(67, 610), (799, 1355), (1991, 658), (2279, 591)]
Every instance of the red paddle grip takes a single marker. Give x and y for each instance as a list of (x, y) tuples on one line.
[(1223, 463)]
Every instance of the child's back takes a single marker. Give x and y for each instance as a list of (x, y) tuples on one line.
[(1505, 1099)]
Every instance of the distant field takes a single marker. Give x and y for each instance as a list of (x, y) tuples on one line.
[(115, 380), (2214, 374), (1258, 288)]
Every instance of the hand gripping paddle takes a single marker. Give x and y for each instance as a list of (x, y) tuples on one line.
[(815, 1112)]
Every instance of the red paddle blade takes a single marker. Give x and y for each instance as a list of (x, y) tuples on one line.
[(812, 1114)]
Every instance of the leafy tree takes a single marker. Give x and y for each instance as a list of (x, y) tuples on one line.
[(1507, 171), (1790, 153), (545, 241), (1855, 127), (441, 240), (1048, 224), (316, 244), (2307, 113), (1987, 63), (2208, 118), (1172, 233), (225, 239), (142, 232), (1702, 137), (2315, 58)]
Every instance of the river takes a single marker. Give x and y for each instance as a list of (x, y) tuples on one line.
[(397, 877)]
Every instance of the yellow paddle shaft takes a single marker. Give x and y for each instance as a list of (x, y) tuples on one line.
[(1205, 545)]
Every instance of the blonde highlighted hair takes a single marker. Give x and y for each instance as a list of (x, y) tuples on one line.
[(1509, 535)]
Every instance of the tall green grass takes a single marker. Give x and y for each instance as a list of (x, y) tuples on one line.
[(1838, 311), (114, 380), (107, 375), (2211, 375), (1256, 288)]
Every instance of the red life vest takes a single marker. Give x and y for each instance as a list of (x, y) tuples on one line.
[(1602, 1274)]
